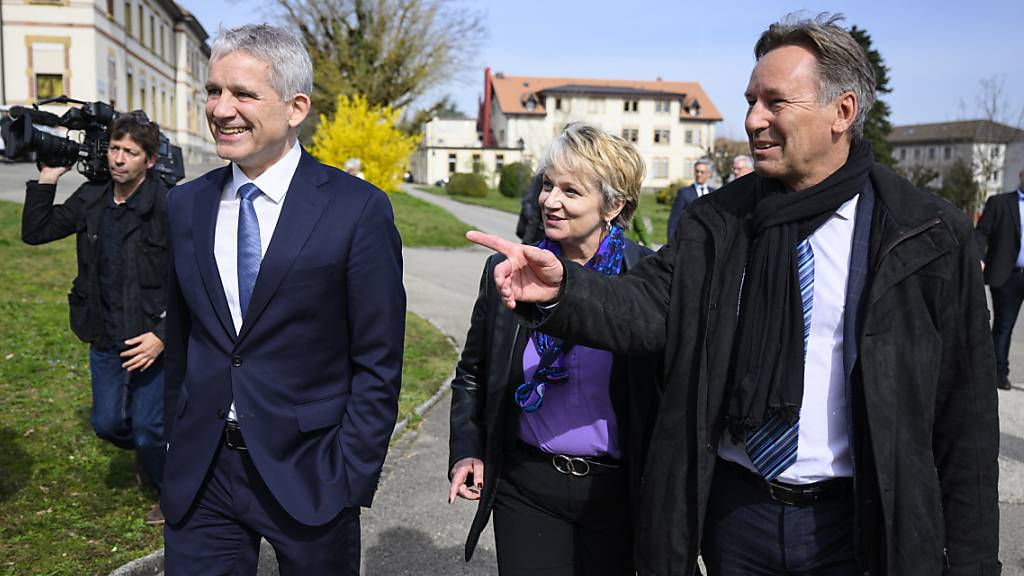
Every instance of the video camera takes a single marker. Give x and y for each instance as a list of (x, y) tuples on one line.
[(90, 154)]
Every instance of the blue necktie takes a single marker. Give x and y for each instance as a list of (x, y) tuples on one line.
[(249, 250), (772, 447)]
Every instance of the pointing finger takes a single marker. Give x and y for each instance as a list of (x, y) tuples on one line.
[(490, 241)]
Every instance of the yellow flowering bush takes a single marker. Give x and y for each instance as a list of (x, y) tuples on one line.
[(369, 133)]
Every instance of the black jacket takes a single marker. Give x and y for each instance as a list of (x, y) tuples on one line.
[(998, 237), (926, 430), (482, 411), (144, 252)]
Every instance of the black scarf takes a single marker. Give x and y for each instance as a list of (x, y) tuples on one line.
[(768, 375)]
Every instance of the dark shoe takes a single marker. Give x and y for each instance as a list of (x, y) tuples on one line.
[(1003, 383), (155, 517)]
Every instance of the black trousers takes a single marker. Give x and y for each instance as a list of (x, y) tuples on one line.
[(747, 533), (1006, 301), (547, 523)]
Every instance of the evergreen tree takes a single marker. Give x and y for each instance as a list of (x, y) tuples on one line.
[(877, 125)]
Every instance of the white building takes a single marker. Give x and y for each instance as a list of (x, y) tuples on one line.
[(995, 151), (452, 144), (672, 124), (137, 54)]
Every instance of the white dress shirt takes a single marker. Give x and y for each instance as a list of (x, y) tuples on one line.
[(701, 189), (274, 184), (823, 446)]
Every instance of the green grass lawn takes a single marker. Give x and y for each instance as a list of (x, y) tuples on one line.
[(69, 503), (423, 224), (657, 214), (494, 199)]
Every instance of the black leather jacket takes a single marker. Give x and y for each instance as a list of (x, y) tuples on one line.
[(144, 252), (483, 415)]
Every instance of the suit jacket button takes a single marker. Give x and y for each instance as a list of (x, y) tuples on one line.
[(236, 361), (221, 414)]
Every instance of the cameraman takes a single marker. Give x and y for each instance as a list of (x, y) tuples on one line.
[(117, 301)]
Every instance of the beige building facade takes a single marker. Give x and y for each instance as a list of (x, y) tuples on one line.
[(451, 144), (672, 124), (137, 54), (994, 151)]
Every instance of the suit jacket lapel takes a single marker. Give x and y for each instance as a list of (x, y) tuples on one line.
[(204, 224), (303, 205)]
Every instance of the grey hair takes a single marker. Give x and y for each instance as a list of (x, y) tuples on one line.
[(843, 66), (705, 162), (609, 161), (744, 159), (291, 70)]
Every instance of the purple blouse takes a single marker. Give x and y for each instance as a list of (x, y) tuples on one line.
[(577, 417)]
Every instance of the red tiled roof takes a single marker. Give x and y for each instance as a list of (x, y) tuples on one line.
[(512, 92)]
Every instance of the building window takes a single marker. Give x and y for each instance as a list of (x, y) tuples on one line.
[(688, 137), (661, 167), (127, 17), (947, 152), (931, 152), (131, 92), (163, 108), (558, 103), (631, 135), (917, 153), (629, 105), (142, 23), (903, 153), (142, 98), (110, 8), (478, 165), (661, 135), (49, 85), (152, 33), (174, 115), (499, 162), (451, 163), (662, 106), (995, 152)]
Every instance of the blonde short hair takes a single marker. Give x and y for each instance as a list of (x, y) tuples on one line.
[(611, 162)]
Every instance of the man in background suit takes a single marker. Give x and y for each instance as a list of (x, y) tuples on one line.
[(998, 235), (687, 195), (285, 329)]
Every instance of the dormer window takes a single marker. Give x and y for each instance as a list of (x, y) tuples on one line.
[(694, 108), (531, 105)]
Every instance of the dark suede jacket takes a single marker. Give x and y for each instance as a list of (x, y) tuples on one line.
[(144, 252), (483, 415), (926, 430)]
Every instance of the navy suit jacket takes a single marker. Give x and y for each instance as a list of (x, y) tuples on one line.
[(315, 369), (684, 197)]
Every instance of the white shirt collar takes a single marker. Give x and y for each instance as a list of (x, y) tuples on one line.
[(849, 208), (273, 182)]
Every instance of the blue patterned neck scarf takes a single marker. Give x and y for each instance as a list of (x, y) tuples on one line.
[(608, 261)]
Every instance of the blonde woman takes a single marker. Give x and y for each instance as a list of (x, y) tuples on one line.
[(548, 435)]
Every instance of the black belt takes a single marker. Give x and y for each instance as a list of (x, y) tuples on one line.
[(569, 464), (233, 436), (835, 489)]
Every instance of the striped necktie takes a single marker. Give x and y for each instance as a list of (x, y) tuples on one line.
[(249, 249), (772, 447)]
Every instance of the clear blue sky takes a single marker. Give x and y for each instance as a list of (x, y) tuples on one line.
[(937, 50)]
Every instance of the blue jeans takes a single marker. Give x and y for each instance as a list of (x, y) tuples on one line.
[(128, 409)]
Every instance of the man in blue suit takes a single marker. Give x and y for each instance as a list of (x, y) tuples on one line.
[(285, 330), (685, 196)]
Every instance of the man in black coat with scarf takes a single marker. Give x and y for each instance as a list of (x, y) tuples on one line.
[(830, 402)]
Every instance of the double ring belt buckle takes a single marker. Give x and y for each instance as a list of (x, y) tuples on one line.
[(571, 465)]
